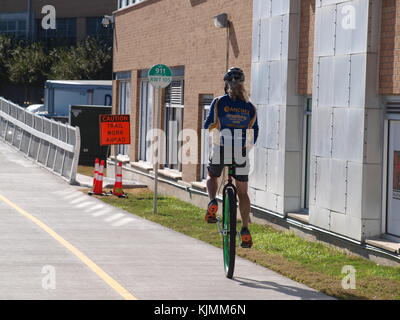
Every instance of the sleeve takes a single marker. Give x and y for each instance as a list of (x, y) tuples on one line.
[(212, 119), (254, 123)]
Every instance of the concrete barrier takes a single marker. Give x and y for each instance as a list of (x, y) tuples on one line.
[(51, 144)]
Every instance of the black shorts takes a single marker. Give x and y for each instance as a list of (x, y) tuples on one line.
[(221, 158)]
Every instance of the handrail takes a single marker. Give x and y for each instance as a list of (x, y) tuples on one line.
[(49, 143)]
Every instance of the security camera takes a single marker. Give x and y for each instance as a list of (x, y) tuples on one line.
[(107, 21), (221, 20)]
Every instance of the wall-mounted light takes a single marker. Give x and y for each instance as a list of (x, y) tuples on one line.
[(108, 21), (221, 20)]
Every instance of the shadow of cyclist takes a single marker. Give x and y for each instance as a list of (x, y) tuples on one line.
[(303, 294)]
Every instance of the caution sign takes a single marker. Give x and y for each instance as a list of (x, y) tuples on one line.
[(115, 129)]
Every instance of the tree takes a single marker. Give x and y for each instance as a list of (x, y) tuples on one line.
[(29, 64), (90, 60), (6, 46)]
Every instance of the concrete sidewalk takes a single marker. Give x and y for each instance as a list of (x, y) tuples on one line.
[(147, 260)]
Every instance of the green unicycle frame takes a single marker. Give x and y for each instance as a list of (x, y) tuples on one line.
[(229, 232)]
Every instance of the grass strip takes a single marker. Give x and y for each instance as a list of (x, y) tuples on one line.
[(314, 264)]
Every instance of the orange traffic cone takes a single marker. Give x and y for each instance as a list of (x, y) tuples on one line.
[(98, 187), (118, 182), (96, 171)]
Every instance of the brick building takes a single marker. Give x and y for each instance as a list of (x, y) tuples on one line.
[(74, 19), (324, 75)]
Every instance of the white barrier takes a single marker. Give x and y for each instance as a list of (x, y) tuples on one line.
[(51, 144)]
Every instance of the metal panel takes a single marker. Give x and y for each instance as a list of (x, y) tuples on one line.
[(258, 176), (275, 171), (276, 90), (262, 123), (322, 131), (320, 217), (275, 38), (346, 225), (293, 174), (264, 39), (372, 191), (325, 80), (374, 136), (256, 41), (358, 80), (325, 31), (338, 180), (260, 83), (264, 6), (293, 132), (272, 126), (323, 181), (354, 189), (348, 134), (341, 81), (352, 27), (280, 7)]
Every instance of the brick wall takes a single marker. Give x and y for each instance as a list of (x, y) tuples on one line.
[(389, 79), (306, 47), (182, 33)]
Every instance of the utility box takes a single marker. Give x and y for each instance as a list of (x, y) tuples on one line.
[(87, 119)]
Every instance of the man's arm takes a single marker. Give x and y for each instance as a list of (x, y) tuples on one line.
[(212, 119)]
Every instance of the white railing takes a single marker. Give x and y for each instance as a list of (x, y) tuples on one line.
[(51, 144)]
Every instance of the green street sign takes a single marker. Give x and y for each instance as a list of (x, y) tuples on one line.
[(160, 76)]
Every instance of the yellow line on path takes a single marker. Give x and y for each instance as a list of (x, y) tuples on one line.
[(89, 263)]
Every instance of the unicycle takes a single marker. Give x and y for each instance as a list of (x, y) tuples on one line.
[(227, 227)]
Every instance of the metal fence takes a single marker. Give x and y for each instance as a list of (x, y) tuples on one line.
[(51, 144)]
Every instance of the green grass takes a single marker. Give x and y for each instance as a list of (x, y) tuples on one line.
[(312, 263)]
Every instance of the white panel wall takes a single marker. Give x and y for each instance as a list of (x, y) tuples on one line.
[(346, 176), (276, 182)]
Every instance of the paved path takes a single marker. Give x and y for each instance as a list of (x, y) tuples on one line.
[(57, 243)]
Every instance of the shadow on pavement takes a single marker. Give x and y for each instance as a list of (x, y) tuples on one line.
[(303, 294)]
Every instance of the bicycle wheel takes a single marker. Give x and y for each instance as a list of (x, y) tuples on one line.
[(229, 227)]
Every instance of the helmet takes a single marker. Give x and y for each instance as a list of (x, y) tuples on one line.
[(234, 75)]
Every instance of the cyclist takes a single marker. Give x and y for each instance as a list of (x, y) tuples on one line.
[(235, 120)]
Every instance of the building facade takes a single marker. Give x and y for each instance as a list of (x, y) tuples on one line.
[(324, 75), (74, 19)]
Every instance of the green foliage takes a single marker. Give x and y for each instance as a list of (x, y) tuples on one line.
[(33, 64), (28, 65), (90, 60), (6, 47)]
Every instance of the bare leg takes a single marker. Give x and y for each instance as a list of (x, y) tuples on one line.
[(244, 202), (212, 187)]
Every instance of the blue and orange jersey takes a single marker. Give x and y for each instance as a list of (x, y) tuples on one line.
[(232, 115)]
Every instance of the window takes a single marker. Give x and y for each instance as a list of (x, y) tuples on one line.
[(124, 107), (306, 152), (126, 3), (205, 104), (146, 118), (15, 28), (63, 34), (393, 192), (173, 124), (94, 28)]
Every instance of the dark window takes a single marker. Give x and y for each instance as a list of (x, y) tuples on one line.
[(63, 34), (15, 28), (94, 28)]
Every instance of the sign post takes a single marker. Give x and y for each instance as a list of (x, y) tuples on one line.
[(160, 76)]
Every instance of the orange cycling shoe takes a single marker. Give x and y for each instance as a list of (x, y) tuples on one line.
[(211, 215), (247, 241)]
